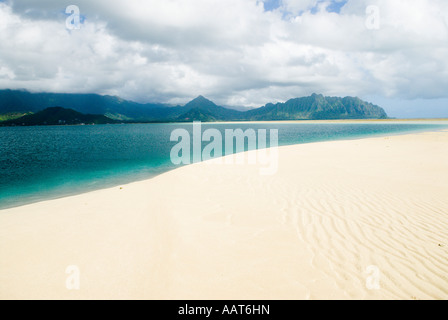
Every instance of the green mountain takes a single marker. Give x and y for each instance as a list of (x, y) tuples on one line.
[(315, 107), (318, 107), (17, 101), (58, 116), (207, 108), (197, 115)]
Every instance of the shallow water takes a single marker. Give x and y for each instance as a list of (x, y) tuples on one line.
[(41, 163)]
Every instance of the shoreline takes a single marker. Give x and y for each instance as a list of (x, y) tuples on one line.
[(441, 120), (345, 121), (114, 185), (208, 231)]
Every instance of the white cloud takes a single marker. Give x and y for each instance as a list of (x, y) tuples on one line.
[(232, 51)]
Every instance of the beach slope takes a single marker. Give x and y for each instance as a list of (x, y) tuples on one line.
[(361, 219)]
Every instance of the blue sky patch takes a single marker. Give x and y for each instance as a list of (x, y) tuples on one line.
[(271, 5), (335, 5)]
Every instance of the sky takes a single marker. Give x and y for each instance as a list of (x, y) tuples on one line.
[(235, 52)]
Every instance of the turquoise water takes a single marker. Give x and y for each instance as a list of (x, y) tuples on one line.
[(41, 163)]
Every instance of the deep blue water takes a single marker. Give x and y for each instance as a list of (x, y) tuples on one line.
[(40, 163)]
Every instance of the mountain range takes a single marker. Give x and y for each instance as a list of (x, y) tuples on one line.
[(57, 116), (16, 103)]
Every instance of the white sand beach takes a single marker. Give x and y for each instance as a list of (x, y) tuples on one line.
[(360, 219)]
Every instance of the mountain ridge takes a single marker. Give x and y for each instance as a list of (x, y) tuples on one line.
[(314, 107), (58, 116)]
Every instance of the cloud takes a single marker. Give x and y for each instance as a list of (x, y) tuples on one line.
[(235, 51)]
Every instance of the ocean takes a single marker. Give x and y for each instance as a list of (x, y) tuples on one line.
[(42, 163)]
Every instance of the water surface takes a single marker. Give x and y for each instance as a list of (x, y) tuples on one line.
[(41, 163)]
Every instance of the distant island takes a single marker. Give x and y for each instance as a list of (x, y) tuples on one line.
[(58, 116), (25, 108)]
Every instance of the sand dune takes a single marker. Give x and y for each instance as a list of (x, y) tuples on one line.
[(361, 219)]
